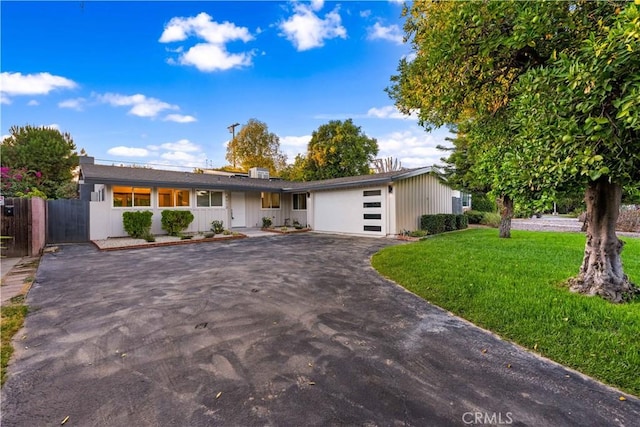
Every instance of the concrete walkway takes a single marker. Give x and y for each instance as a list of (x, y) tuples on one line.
[(280, 331), (17, 275)]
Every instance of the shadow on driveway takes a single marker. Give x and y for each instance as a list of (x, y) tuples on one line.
[(283, 330)]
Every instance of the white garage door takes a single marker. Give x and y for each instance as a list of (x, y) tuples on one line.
[(360, 211)]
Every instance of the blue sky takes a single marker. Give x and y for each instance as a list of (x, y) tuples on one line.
[(158, 83)]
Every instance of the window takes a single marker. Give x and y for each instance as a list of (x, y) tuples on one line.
[(131, 196), (170, 197), (372, 216), (372, 228), (372, 204), (300, 202), (206, 199), (270, 200), (368, 193)]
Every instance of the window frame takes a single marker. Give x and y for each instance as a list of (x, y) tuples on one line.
[(298, 196), (271, 194), (174, 195), (209, 194), (132, 194)]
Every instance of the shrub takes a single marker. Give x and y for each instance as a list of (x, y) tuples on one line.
[(449, 222), (266, 222), (433, 224), (173, 222), (491, 219), (217, 227), (137, 224), (462, 221), (474, 217), (481, 202), (149, 237), (418, 233)]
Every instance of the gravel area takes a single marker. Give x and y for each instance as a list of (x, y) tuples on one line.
[(128, 242), (552, 223)]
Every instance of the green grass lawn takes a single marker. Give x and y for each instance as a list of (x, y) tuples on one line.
[(12, 316), (514, 287)]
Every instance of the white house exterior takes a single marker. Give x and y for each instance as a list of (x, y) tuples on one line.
[(369, 205)]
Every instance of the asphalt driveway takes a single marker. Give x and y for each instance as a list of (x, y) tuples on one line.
[(285, 331)]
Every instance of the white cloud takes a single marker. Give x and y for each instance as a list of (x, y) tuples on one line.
[(294, 145), (74, 104), (211, 55), (141, 106), (183, 145), (33, 103), (15, 84), (179, 118), (3, 137), (390, 112), (128, 151), (365, 13), (410, 56), (386, 112), (317, 4), (391, 33), (413, 147), (307, 31), (52, 126)]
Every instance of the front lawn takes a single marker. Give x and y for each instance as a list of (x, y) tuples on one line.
[(514, 287)]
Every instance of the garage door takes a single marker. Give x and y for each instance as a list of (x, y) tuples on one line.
[(360, 211)]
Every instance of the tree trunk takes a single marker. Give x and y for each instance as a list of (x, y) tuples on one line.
[(601, 271), (506, 213)]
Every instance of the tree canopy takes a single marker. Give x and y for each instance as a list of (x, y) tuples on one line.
[(546, 98), (38, 158), (338, 149), (255, 146)]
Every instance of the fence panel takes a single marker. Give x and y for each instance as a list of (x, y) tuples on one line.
[(16, 227), (67, 221)]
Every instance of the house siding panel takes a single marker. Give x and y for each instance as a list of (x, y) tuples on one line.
[(420, 195)]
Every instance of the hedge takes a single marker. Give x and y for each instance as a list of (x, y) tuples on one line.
[(439, 223)]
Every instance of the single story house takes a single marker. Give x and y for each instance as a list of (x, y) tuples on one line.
[(372, 205)]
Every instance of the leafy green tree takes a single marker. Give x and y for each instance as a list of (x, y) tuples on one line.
[(468, 57), (550, 93), (255, 146), (338, 149), (579, 118), (44, 152), (295, 171)]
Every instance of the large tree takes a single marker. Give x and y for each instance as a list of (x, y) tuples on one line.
[(579, 118), (468, 56), (338, 149), (255, 146), (44, 154), (557, 76)]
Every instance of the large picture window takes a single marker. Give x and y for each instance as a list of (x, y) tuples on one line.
[(300, 202), (270, 200), (126, 197), (209, 199), (171, 197)]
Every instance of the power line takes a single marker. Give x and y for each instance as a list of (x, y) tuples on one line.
[(148, 164)]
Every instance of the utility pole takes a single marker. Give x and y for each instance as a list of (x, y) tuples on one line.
[(232, 129)]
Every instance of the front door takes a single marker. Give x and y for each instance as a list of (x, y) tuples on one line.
[(238, 210)]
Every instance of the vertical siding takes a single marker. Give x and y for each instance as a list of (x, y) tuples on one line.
[(420, 195)]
